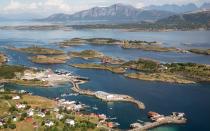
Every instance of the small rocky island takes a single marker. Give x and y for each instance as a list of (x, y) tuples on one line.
[(125, 44), (36, 50), (43, 55), (55, 59), (200, 51), (92, 54)]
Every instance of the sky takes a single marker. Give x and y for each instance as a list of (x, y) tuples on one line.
[(48, 7)]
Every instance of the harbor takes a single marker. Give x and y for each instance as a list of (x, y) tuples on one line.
[(159, 120), (104, 95)]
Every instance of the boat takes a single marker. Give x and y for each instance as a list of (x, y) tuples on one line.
[(95, 108), (114, 118)]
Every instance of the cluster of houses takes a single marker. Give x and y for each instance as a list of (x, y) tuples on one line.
[(42, 113), (70, 105)]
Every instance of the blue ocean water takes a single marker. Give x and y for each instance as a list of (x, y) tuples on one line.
[(193, 99)]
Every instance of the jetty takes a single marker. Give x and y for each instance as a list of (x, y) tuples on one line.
[(108, 97), (158, 120)]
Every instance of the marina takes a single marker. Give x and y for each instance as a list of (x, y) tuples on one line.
[(104, 95)]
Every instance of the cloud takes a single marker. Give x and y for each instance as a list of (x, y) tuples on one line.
[(43, 6), (140, 5)]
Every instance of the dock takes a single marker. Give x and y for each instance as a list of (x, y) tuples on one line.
[(163, 120), (106, 96)]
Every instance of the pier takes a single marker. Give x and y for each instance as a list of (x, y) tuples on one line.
[(175, 118), (105, 96)]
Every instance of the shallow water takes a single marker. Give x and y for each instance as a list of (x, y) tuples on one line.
[(193, 99)]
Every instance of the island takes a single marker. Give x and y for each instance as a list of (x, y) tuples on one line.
[(171, 72), (148, 46), (44, 59), (164, 77), (92, 54), (200, 51), (125, 44), (97, 41), (36, 50), (151, 70), (114, 69), (86, 54)]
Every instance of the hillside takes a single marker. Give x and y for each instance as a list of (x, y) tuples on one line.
[(201, 17)]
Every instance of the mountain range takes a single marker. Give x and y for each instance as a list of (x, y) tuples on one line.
[(119, 12), (114, 12)]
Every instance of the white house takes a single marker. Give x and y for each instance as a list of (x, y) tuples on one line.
[(49, 123), (70, 122), (20, 106), (1, 124), (30, 112), (16, 97), (59, 116), (14, 118), (2, 90), (56, 109), (41, 114)]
